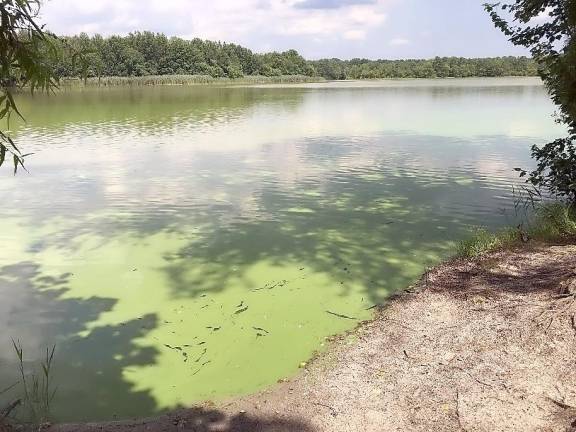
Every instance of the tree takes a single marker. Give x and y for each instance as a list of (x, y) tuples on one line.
[(24, 61), (548, 29)]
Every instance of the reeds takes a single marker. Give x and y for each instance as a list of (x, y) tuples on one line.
[(37, 391), (155, 80)]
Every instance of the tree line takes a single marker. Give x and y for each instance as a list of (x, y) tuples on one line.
[(439, 67), (147, 53)]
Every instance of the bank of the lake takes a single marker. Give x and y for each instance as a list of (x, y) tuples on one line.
[(483, 345)]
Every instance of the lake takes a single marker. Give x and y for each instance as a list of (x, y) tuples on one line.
[(180, 244)]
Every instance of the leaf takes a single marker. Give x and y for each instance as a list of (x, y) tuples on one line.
[(16, 161), (13, 105)]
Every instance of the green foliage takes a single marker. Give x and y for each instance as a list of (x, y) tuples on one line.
[(554, 221), (439, 67), (27, 56), (483, 241), (146, 53), (24, 50), (547, 28), (556, 169), (550, 222)]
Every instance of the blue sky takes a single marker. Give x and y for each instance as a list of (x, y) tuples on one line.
[(316, 28)]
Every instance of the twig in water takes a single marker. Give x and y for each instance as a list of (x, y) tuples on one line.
[(201, 366), (341, 316), (201, 355), (239, 311)]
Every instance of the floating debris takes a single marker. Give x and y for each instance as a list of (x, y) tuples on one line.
[(201, 355), (216, 328), (341, 316), (241, 304), (177, 348), (279, 284), (239, 311), (201, 366), (260, 329)]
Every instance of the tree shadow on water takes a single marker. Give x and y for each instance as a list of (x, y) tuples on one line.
[(89, 363), (355, 231)]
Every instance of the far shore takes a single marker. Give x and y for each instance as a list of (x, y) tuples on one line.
[(179, 80)]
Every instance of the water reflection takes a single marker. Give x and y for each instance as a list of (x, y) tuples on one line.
[(181, 244)]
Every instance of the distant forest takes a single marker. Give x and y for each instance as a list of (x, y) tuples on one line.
[(147, 53)]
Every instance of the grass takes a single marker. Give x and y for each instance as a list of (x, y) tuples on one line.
[(153, 80), (550, 222), (36, 388)]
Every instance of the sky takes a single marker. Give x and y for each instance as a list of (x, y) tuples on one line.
[(315, 28)]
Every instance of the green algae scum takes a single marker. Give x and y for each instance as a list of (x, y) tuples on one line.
[(181, 244)]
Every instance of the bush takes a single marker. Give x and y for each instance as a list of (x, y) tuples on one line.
[(556, 169)]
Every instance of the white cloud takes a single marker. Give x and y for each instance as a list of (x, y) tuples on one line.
[(399, 42), (227, 20), (355, 35)]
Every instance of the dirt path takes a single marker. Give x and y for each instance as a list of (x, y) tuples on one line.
[(484, 346)]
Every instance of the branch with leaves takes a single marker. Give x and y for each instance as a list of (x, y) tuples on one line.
[(27, 51), (548, 29)]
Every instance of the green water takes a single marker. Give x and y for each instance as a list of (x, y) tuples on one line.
[(180, 244)]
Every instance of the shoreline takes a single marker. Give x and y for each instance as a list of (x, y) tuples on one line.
[(199, 80), (481, 343)]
